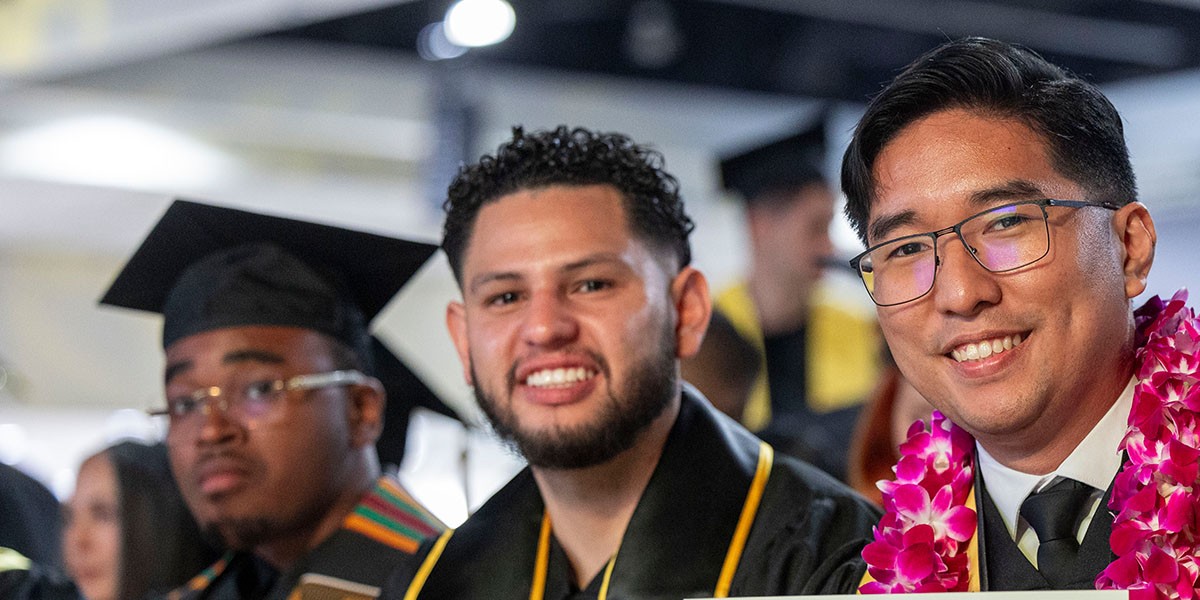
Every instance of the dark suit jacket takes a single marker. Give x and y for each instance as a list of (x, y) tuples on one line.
[(1004, 567)]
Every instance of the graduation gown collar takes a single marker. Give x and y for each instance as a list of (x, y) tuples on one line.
[(680, 533), (680, 540), (386, 525)]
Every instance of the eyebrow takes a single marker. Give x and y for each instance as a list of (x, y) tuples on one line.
[(583, 263), (1010, 191), (231, 358), (174, 369)]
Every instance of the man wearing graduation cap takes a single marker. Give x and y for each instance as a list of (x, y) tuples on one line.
[(273, 414), (820, 355), (571, 251)]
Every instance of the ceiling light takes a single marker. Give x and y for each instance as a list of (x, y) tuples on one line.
[(474, 23), (433, 45)]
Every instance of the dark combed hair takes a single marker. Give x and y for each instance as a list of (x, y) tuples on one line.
[(573, 157), (1081, 128)]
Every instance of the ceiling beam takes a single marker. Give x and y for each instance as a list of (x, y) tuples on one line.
[(1118, 41)]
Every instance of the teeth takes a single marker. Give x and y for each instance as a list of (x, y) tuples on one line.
[(558, 377), (986, 348)]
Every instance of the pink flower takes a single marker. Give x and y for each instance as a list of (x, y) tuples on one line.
[(920, 540)]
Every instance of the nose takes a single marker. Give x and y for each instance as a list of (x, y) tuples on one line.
[(548, 321), (76, 537), (962, 286), (216, 426)]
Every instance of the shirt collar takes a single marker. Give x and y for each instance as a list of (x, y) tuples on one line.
[(1095, 461)]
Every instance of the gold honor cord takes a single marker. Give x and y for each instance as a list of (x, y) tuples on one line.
[(766, 458), (973, 548), (607, 576), (537, 591), (423, 573), (541, 568)]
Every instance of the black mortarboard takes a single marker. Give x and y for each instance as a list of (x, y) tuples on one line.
[(405, 391), (206, 267), (781, 165)]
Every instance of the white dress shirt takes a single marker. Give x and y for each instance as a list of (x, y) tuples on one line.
[(1095, 461)]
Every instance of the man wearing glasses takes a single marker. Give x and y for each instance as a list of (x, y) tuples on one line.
[(1005, 243), (272, 414)]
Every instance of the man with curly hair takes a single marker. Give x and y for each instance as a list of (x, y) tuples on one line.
[(571, 251)]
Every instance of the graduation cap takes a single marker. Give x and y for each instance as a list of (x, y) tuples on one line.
[(207, 267), (778, 166), (405, 392)]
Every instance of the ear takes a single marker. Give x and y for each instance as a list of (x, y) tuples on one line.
[(693, 308), (456, 323), (1135, 230), (367, 405)]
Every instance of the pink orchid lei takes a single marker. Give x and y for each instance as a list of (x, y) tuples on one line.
[(921, 541), (1156, 494)]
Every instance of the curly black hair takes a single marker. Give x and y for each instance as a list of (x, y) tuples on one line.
[(1080, 127), (574, 157)]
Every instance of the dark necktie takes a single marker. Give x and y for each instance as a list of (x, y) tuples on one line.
[(1054, 514)]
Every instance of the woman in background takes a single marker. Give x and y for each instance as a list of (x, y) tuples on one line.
[(127, 532)]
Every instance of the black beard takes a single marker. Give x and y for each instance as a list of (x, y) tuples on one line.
[(624, 414), (243, 534), (248, 533)]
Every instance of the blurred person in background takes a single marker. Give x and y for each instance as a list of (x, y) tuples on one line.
[(128, 532), (30, 528), (726, 367), (272, 406), (820, 355)]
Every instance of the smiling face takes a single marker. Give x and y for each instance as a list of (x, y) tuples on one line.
[(570, 327), (272, 479), (92, 536), (1058, 333)]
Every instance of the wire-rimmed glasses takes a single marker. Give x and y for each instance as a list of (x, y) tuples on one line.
[(250, 400), (1000, 239)]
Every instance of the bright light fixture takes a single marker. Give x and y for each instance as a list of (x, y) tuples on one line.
[(113, 151), (433, 45), (474, 23)]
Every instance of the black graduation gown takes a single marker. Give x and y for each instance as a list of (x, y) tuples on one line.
[(30, 518), (382, 532), (805, 538), (22, 580)]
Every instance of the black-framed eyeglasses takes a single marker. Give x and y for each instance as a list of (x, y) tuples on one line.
[(248, 400), (1000, 239)]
